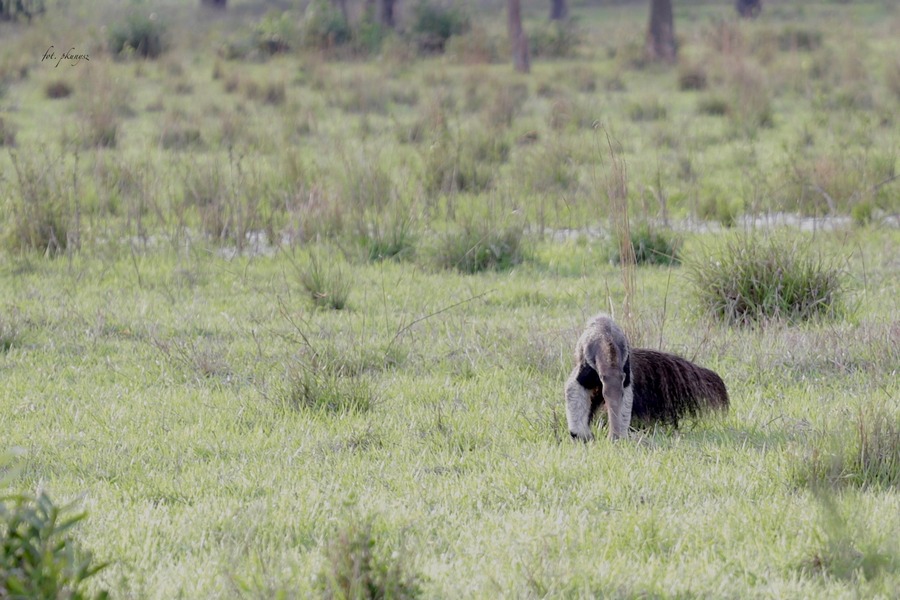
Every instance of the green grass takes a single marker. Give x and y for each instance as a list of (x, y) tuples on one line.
[(180, 230)]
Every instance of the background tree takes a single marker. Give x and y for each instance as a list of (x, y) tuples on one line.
[(517, 38), (559, 10), (387, 13), (220, 4), (661, 33), (748, 8)]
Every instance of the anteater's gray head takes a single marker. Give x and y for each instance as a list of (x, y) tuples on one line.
[(604, 348)]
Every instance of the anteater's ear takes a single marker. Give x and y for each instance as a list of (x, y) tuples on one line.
[(627, 369)]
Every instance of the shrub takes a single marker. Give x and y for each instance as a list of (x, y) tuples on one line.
[(58, 89), (357, 567), (324, 26), (7, 133), (143, 35), (756, 279), (713, 105), (21, 9), (893, 77), (553, 39), (275, 33), (478, 246), (799, 39), (39, 558), (434, 22), (865, 454), (691, 77), (651, 247), (649, 110)]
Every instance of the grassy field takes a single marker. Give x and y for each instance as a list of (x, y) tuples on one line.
[(283, 322)]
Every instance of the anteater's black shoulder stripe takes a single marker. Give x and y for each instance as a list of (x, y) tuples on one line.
[(627, 370), (588, 377)]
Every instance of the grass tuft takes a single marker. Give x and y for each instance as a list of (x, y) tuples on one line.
[(10, 330), (755, 279), (326, 281), (865, 455), (321, 390), (358, 567), (651, 246), (479, 246)]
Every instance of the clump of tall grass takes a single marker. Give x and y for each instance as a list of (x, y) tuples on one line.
[(756, 278), (43, 215), (651, 246), (692, 76), (11, 328), (865, 454), (326, 280), (507, 103), (451, 165), (324, 391), (478, 246), (358, 566), (650, 109), (7, 133)]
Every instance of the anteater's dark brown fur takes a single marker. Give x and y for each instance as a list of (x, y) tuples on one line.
[(668, 388)]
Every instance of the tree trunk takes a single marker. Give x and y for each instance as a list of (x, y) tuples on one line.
[(220, 4), (387, 13), (517, 37), (342, 4), (559, 10), (748, 8), (661, 33)]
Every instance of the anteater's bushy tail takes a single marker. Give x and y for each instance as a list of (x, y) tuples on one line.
[(668, 387)]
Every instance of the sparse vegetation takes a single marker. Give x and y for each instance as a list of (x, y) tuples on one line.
[(357, 567), (306, 265)]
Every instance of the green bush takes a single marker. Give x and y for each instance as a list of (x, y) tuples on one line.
[(755, 279), (39, 558), (553, 39), (324, 26), (434, 23), (651, 247), (275, 33), (142, 34), (358, 567), (479, 246)]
